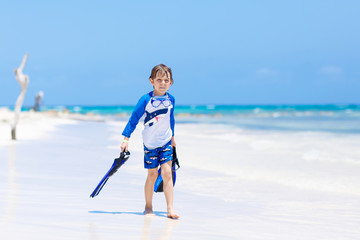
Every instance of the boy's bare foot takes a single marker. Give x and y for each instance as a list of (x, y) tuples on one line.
[(148, 212), (172, 215)]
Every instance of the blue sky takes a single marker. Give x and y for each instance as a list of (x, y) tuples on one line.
[(221, 52)]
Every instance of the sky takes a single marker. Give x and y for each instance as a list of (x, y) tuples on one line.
[(221, 52)]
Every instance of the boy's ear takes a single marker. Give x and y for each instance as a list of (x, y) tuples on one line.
[(151, 80)]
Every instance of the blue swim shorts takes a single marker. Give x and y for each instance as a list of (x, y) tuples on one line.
[(158, 156)]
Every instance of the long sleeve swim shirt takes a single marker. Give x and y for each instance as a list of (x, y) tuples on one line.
[(159, 121)]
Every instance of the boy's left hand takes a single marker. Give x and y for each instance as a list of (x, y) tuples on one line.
[(173, 143)]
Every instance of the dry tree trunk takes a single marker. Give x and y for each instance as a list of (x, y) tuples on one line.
[(23, 80)]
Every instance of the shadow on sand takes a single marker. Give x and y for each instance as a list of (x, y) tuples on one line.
[(161, 229), (159, 214)]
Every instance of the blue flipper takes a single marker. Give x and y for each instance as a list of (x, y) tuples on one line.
[(118, 162), (158, 186)]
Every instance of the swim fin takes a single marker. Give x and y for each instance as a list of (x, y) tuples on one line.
[(158, 186), (118, 162)]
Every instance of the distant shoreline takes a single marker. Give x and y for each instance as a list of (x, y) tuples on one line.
[(320, 118), (278, 110)]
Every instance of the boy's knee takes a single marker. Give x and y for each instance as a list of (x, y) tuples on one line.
[(166, 175), (152, 175)]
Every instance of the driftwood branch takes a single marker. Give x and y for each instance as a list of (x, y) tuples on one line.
[(23, 81)]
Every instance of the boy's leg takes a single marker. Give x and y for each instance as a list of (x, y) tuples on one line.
[(166, 174), (149, 189)]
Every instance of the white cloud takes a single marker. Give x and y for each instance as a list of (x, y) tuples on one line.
[(331, 71), (266, 72)]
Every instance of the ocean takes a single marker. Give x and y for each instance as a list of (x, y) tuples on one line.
[(342, 118)]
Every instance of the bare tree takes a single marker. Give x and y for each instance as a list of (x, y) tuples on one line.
[(23, 80)]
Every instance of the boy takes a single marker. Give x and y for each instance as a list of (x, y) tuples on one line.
[(158, 135)]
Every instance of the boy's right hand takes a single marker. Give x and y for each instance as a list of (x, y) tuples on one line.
[(124, 146)]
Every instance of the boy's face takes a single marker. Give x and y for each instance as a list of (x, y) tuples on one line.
[(161, 84)]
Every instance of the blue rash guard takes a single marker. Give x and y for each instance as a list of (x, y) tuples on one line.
[(159, 122)]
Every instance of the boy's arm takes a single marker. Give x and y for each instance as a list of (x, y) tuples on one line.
[(133, 121), (135, 117), (172, 118), (172, 123)]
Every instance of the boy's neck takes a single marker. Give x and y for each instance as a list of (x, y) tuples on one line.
[(158, 94)]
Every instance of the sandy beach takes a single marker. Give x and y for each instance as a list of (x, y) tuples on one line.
[(233, 183)]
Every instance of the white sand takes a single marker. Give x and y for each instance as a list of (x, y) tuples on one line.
[(233, 184)]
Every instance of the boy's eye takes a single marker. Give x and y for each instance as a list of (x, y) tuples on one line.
[(161, 80)]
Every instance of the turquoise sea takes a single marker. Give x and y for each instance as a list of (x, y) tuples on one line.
[(343, 118)]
